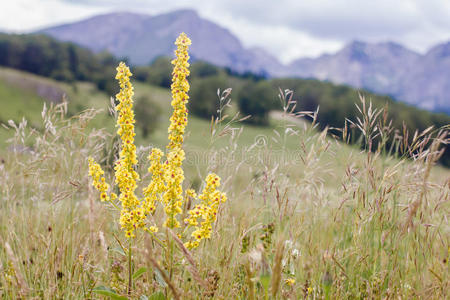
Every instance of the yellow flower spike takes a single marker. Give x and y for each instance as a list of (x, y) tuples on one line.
[(166, 185), (180, 89), (173, 172), (98, 181), (132, 216)]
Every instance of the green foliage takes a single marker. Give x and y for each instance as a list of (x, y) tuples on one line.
[(257, 99), (157, 296), (337, 103), (158, 73), (141, 271), (257, 96), (204, 101), (45, 56), (202, 69), (147, 115), (106, 291)]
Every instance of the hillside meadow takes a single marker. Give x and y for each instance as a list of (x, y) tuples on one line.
[(306, 217)]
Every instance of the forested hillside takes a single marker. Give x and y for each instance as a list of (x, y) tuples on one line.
[(64, 61)]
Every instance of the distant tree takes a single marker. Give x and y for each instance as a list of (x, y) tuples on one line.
[(147, 115), (161, 72), (202, 69), (257, 99), (203, 100), (45, 56)]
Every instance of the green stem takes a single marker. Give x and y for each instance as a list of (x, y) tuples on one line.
[(130, 271), (170, 255), (172, 218), (158, 241), (115, 205)]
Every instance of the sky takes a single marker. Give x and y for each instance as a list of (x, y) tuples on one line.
[(288, 29)]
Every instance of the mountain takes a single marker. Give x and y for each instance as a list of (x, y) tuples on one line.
[(373, 66), (388, 68), (268, 62), (142, 38), (427, 85)]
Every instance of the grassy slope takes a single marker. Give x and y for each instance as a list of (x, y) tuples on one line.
[(84, 95), (20, 102)]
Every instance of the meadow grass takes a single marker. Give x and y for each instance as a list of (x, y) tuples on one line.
[(330, 223), (306, 217)]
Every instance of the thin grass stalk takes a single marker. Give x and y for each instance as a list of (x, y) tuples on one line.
[(166, 278), (276, 272)]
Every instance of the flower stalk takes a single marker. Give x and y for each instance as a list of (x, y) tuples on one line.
[(165, 189)]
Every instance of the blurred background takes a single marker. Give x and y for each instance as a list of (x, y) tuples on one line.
[(327, 52)]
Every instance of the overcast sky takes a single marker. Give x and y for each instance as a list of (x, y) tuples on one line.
[(287, 29)]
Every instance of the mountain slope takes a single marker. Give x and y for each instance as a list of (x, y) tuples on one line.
[(389, 68), (142, 38), (378, 67), (427, 85)]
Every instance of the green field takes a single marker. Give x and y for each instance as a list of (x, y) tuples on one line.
[(307, 216)]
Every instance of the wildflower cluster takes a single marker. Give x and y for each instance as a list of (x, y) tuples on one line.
[(166, 185), (98, 180), (207, 211)]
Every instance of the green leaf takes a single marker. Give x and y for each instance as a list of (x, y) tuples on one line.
[(139, 273), (265, 281), (106, 291), (157, 296)]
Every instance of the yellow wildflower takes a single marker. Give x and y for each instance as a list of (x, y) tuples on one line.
[(191, 193), (207, 210), (131, 215), (166, 185), (289, 281), (174, 175), (98, 181), (180, 89), (156, 186)]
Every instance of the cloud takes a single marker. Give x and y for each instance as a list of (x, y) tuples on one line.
[(286, 28), (332, 18), (26, 15), (347, 20), (281, 41)]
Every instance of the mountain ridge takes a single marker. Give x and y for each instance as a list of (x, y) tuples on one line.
[(422, 80), (142, 38), (384, 67)]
